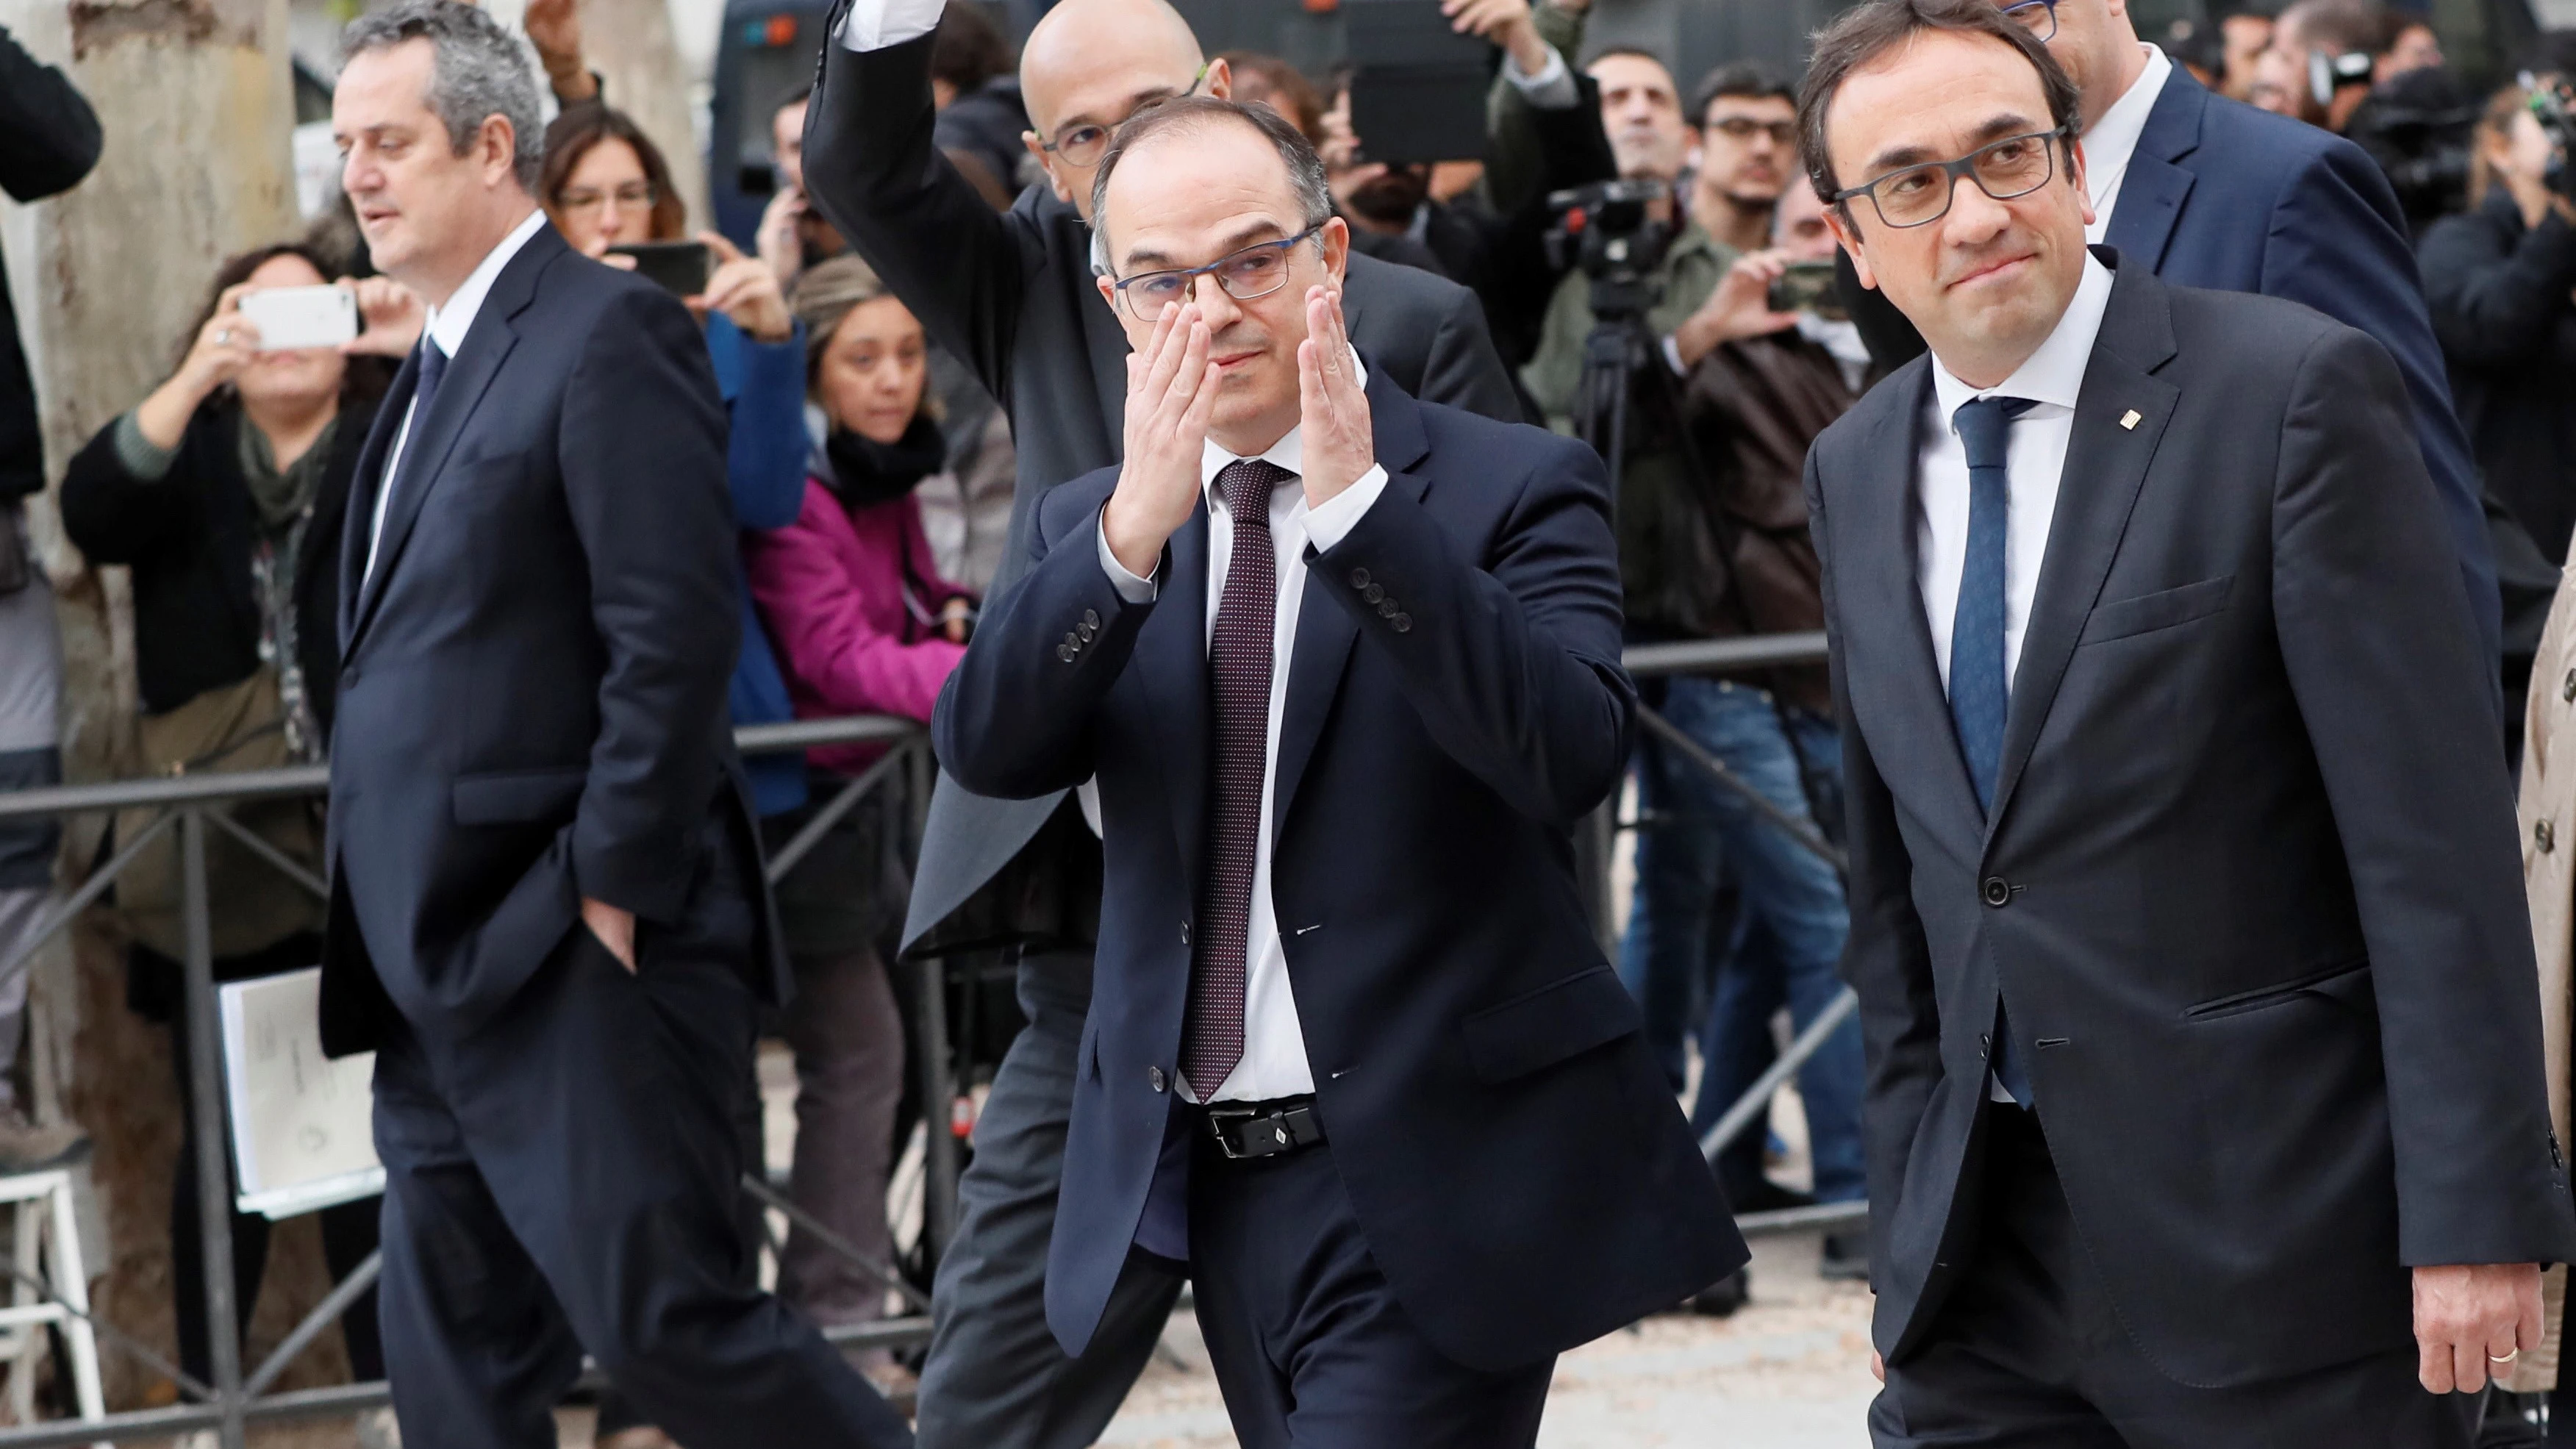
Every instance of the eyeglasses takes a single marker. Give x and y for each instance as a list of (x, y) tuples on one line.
[(1256, 271), (1745, 128), (1082, 145), (1920, 195), (634, 196), (2039, 17)]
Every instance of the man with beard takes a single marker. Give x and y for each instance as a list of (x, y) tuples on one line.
[(1748, 130)]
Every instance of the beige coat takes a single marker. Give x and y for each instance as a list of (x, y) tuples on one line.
[(2549, 881)]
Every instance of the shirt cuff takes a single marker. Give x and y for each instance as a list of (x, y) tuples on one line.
[(1673, 356), (1552, 89), (1131, 588), (1331, 521), (882, 24), (146, 460)]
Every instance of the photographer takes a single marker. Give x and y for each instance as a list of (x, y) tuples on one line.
[(2501, 283), (223, 492), (2324, 57)]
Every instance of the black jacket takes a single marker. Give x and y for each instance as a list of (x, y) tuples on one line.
[(189, 536), (48, 141), (2249, 882), (2499, 292)]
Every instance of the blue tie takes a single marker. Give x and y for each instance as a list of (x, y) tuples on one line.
[(1978, 697)]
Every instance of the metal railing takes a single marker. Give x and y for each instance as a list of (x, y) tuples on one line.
[(193, 805)]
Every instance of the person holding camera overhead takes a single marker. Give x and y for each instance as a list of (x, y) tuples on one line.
[(2501, 282), (223, 492)]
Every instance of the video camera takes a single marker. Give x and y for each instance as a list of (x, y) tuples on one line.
[(2421, 127), (1610, 231)]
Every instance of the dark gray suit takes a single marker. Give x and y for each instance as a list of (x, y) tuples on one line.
[(1013, 295), (2249, 886)]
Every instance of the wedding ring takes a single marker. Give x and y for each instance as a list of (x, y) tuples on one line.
[(2508, 1358)]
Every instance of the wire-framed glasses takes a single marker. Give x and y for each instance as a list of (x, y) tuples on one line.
[(1082, 145), (1256, 271), (1919, 195), (2039, 17)]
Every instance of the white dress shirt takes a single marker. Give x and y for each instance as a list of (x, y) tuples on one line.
[(2112, 140), (2034, 461), (447, 327), (1274, 1045)]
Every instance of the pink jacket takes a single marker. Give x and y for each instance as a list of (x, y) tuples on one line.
[(831, 587)]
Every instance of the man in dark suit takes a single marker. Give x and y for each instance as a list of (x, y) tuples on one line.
[(2205, 1101), (1014, 296), (547, 912), (1345, 667)]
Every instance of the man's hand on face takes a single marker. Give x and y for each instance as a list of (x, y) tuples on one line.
[(1171, 392), (1333, 410), (2472, 1321)]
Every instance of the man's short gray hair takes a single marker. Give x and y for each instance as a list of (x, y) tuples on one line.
[(478, 72), (1185, 113)]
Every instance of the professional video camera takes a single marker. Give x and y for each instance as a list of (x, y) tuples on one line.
[(2421, 128), (1609, 230)]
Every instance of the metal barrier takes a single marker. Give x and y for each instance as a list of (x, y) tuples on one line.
[(193, 804)]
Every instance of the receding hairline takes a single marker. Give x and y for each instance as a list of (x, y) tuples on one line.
[(1993, 128), (1248, 234), (1133, 22)]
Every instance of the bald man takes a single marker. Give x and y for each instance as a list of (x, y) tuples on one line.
[(1013, 294)]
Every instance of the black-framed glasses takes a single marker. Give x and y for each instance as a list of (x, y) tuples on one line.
[(1256, 271), (1745, 128), (1082, 145), (2039, 17), (631, 196), (1920, 195)]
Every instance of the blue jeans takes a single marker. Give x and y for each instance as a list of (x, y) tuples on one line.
[(1787, 938)]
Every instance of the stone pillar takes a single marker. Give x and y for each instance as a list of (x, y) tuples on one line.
[(194, 98)]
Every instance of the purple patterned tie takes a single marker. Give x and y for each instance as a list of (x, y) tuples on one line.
[(1239, 663)]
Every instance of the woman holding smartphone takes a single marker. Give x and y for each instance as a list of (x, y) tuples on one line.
[(223, 492)]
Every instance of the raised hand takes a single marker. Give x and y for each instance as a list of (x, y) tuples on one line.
[(1333, 410), (746, 290), (1171, 391), (1502, 23), (390, 316), (1739, 308)]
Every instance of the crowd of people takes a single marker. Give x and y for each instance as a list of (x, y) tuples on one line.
[(943, 402)]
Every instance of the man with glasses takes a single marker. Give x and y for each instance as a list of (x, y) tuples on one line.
[(1345, 668), (1748, 139), (1013, 295), (2206, 1103)]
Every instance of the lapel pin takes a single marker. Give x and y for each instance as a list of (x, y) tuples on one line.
[(2129, 420)]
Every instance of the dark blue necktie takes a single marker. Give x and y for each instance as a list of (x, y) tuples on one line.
[(1978, 697), (433, 368)]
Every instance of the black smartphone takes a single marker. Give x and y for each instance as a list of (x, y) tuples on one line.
[(680, 268), (1806, 287)]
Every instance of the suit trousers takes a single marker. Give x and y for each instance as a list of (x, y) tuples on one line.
[(1309, 1344), (566, 1178), (995, 1377), (2029, 1352)]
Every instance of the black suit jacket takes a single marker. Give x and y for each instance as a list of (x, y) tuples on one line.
[(533, 680), (49, 138), (1455, 703), (1013, 295), (2250, 884)]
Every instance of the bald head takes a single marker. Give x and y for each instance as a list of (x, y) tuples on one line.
[(1088, 65)]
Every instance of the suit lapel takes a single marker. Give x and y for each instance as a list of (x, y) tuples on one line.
[(364, 486), (2153, 190), (1890, 671), (1326, 631), (433, 436), (1107, 343), (2106, 464), (1171, 658)]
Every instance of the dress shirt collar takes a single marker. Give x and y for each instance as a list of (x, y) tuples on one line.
[(2112, 140), (1289, 452), (2055, 373), (449, 325)]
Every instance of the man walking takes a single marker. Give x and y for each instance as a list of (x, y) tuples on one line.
[(547, 913), (2205, 1101), (1345, 667)]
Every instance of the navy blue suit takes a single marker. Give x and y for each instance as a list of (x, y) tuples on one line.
[(531, 712), (1509, 1148), (2224, 196)]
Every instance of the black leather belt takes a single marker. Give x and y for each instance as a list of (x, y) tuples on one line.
[(1264, 1129)]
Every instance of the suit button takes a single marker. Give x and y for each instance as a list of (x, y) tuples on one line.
[(1090, 621), (1386, 608), (1087, 630), (1360, 579), (2567, 691), (1185, 933), (1155, 1079), (1064, 652), (1401, 623), (1373, 593), (1998, 892), (2544, 836), (1985, 1044), (349, 676)]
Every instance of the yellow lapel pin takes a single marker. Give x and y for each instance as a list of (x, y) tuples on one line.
[(2129, 420)]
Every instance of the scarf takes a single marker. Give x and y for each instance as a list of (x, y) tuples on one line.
[(283, 499), (861, 473)]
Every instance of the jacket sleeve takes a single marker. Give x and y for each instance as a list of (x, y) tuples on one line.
[(1512, 660), (2338, 243), (815, 612), (2494, 305), (2393, 699), (1886, 959), (113, 517), (875, 171), (1014, 722), (1461, 368), (642, 457), (49, 137), (765, 457)]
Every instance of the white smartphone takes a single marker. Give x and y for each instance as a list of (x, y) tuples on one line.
[(299, 317)]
